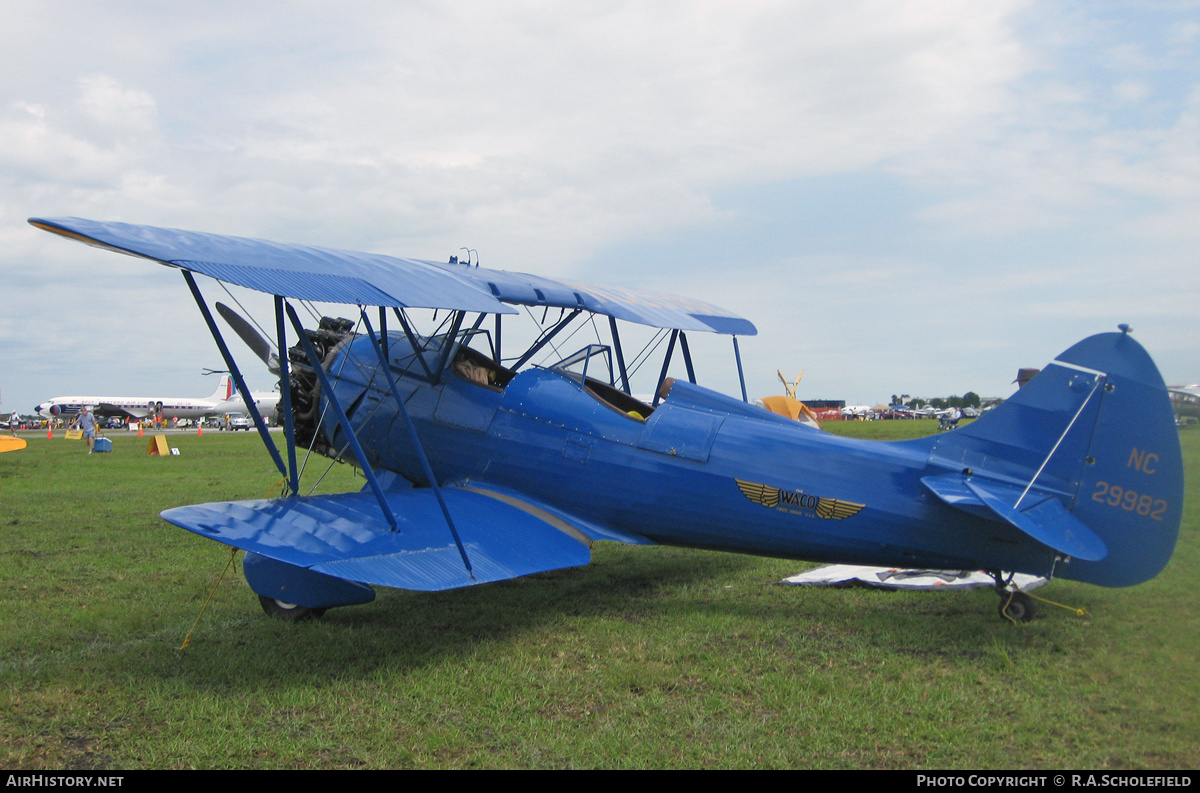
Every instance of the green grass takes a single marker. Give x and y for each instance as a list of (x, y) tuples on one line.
[(649, 657), (886, 430)]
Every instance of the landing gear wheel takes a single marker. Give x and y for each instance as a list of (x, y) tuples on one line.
[(1016, 606), (289, 612)]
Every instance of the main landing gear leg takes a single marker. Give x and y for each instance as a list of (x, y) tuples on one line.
[(1015, 605)]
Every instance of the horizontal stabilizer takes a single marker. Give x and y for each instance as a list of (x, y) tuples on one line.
[(1041, 516), (346, 536)]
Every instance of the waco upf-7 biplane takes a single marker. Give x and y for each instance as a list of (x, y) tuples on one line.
[(481, 467)]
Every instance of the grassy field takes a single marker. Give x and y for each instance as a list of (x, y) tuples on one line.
[(648, 658)]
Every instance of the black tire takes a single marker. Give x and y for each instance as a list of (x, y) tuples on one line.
[(289, 612), (1016, 607)]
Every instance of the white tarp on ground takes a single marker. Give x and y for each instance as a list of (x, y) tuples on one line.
[(847, 575)]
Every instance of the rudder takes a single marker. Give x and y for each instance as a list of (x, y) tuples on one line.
[(224, 390), (1131, 492), (1095, 431)]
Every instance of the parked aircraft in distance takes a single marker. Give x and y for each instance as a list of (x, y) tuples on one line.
[(1185, 399), (223, 400), (483, 467)]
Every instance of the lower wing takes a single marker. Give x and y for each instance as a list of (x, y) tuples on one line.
[(347, 537)]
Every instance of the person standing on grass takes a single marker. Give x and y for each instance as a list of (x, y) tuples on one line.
[(87, 422), (14, 422)]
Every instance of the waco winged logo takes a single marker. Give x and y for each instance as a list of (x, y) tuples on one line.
[(760, 494), (774, 498), (836, 508)]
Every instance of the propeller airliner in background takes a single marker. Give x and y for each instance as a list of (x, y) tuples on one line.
[(223, 400)]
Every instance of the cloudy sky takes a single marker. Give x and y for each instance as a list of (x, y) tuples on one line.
[(914, 197)]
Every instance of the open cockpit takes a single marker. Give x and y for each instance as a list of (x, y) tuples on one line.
[(478, 369)]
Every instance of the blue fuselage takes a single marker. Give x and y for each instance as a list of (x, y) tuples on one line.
[(701, 470)]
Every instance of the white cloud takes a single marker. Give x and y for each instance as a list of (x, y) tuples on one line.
[(112, 105), (550, 135)]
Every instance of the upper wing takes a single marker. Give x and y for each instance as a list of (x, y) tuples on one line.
[(336, 276), (644, 307), (297, 271)]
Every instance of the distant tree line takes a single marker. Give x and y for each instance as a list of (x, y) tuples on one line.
[(967, 400)]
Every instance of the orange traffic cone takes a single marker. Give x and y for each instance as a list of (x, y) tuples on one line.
[(139, 429), (49, 431), (199, 429)]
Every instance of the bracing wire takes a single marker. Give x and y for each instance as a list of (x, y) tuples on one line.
[(553, 347), (660, 336), (370, 378), (308, 306)]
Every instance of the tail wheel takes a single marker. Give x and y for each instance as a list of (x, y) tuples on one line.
[(1016, 606), (288, 612)]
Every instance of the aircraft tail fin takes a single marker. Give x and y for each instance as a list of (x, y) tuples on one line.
[(225, 389), (1085, 458)]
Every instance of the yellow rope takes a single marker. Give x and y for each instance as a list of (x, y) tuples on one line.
[(1080, 612), (1007, 603), (188, 639)]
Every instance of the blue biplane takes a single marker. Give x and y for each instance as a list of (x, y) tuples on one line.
[(481, 468)]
